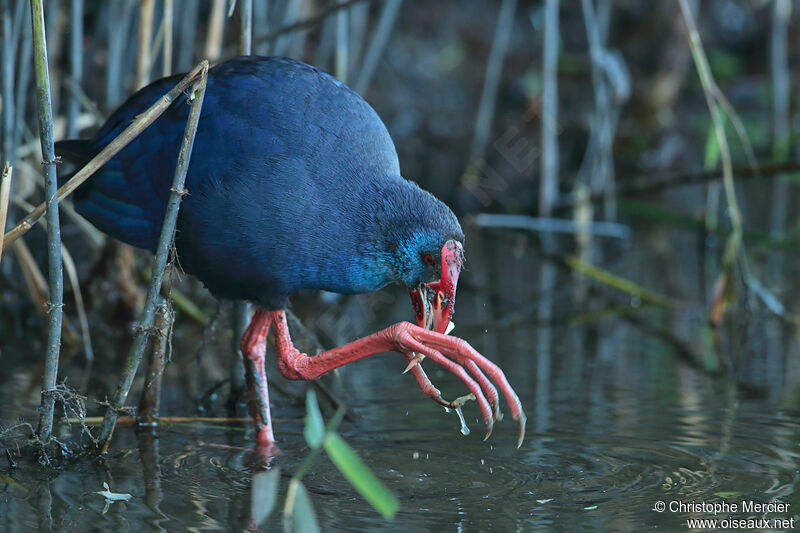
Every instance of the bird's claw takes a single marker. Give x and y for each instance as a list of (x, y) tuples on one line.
[(522, 419), (478, 373), (416, 358), (498, 414)]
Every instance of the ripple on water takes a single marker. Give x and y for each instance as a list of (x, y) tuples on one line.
[(674, 454), (569, 476)]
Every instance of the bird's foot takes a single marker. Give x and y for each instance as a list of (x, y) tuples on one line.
[(416, 358), (456, 355), (266, 451)]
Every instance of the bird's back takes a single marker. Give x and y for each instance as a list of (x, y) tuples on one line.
[(282, 159)]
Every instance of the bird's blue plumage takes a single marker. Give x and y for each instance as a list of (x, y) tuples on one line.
[(293, 183)]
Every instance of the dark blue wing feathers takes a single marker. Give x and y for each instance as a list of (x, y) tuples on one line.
[(127, 197), (284, 155)]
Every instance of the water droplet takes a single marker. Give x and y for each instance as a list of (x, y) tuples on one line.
[(464, 428), (446, 409)]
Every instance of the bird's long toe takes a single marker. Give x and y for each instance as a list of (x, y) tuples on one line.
[(414, 359), (455, 368), (424, 383), (488, 389), (522, 419), (461, 350)]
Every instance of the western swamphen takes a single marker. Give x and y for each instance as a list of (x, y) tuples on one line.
[(293, 183)]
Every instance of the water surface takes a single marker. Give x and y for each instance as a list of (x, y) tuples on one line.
[(627, 406)]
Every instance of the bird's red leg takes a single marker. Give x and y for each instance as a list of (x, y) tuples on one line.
[(254, 351), (454, 354)]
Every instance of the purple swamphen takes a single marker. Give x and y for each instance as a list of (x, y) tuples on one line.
[(293, 183)]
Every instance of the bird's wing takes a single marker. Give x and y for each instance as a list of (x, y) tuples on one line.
[(299, 134), (128, 196)]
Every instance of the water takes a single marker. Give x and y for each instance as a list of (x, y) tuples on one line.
[(464, 428), (625, 409), (594, 464)]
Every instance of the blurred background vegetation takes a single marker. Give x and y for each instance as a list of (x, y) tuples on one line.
[(587, 120), (626, 175)]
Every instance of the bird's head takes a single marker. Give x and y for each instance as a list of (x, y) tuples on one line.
[(426, 250), (435, 300)]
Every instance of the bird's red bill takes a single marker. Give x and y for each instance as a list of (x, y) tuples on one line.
[(434, 302)]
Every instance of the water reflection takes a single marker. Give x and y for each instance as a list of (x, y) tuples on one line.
[(151, 473)]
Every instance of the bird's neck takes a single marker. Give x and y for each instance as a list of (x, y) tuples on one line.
[(372, 272)]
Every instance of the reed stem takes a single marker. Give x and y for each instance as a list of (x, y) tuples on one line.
[(55, 273), (165, 245)]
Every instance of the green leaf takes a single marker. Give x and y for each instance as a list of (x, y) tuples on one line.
[(727, 494), (298, 512), (617, 282), (314, 431), (360, 476), (264, 494)]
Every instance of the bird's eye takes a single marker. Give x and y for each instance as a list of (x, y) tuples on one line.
[(428, 258)]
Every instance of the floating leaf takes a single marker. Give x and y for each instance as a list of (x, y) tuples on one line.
[(264, 494), (298, 512), (360, 476), (314, 431)]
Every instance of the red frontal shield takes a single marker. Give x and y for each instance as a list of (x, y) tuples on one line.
[(434, 302)]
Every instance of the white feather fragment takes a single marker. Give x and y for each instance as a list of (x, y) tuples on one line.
[(113, 496)]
